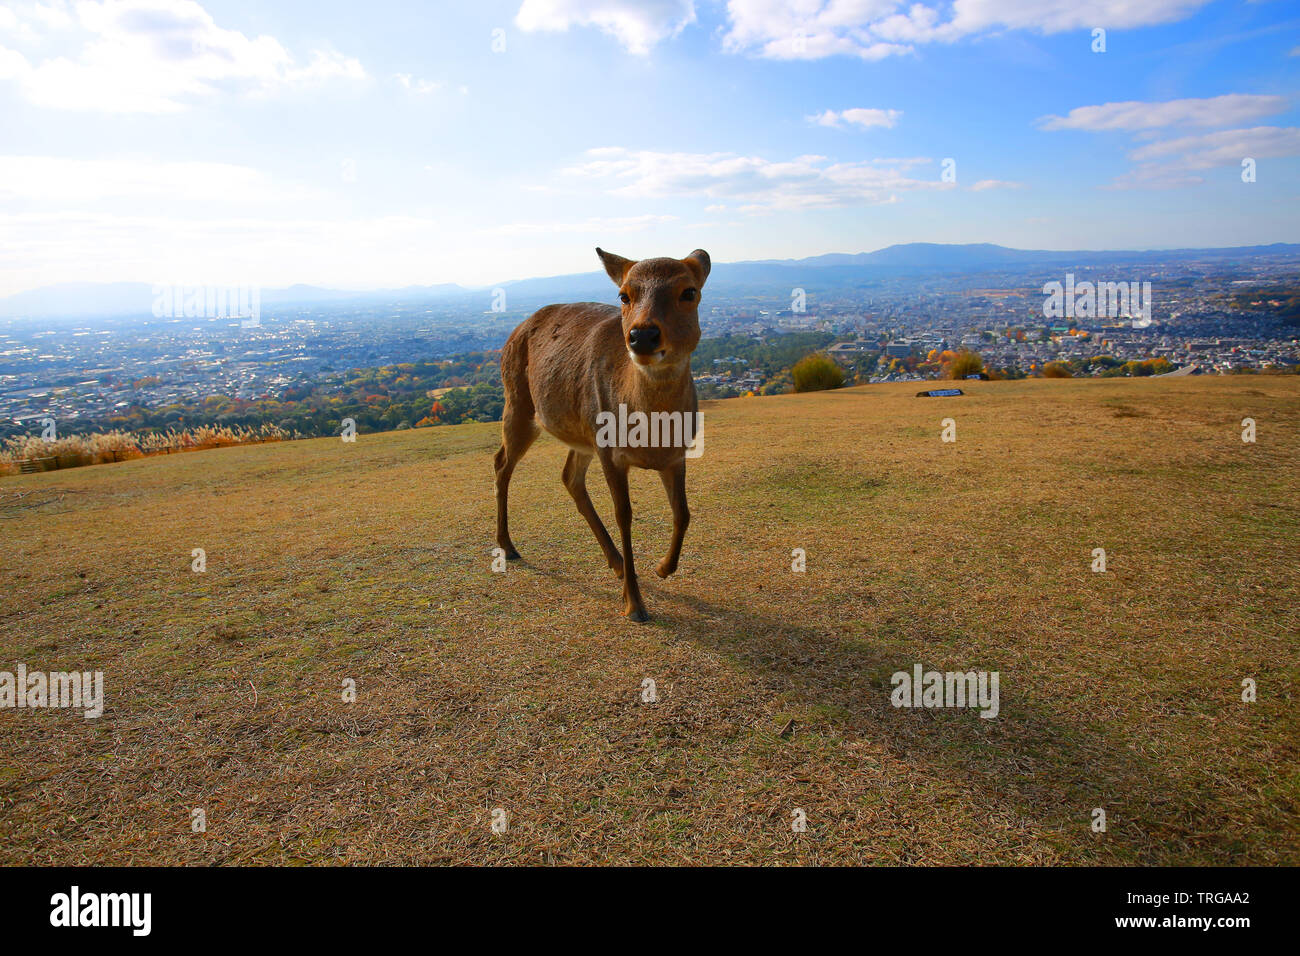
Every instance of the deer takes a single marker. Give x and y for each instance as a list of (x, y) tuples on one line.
[(574, 369)]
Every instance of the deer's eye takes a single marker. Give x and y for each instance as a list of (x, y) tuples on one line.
[(623, 297), (689, 295)]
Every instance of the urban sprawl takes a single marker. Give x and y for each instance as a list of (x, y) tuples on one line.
[(82, 372)]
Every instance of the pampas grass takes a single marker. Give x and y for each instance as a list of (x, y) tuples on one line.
[(97, 448)]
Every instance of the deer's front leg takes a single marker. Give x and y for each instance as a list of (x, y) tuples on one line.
[(616, 476), (674, 480)]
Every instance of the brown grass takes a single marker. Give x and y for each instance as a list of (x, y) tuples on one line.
[(371, 560)]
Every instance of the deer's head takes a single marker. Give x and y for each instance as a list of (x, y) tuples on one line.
[(661, 303)]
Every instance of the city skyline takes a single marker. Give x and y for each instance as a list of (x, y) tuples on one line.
[(166, 140)]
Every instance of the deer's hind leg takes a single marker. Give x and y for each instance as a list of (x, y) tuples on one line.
[(518, 432), (575, 480)]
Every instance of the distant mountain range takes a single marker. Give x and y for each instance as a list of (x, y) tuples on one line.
[(91, 299), (94, 299), (941, 257)]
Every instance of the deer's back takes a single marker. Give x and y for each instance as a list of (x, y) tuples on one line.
[(559, 357)]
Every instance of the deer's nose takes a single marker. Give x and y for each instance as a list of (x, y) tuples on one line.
[(643, 339)]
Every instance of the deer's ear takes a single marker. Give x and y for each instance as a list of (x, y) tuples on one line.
[(699, 264), (615, 266)]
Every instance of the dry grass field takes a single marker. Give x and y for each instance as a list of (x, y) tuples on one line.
[(522, 691)]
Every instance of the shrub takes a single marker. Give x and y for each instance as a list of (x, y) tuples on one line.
[(964, 363), (1056, 370), (816, 372), (72, 451)]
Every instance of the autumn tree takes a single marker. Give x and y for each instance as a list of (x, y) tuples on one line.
[(963, 363), (816, 372)]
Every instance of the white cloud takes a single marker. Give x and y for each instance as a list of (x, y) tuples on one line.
[(1132, 115), (811, 29), (1166, 163), (1154, 176), (48, 13), (874, 29), (55, 179), (865, 118), (40, 248), (1224, 148), (867, 29), (637, 24), (420, 87), (754, 183), (157, 56), (27, 21), (595, 225), (1172, 163), (984, 184), (1055, 16)]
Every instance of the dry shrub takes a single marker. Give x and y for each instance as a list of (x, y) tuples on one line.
[(816, 372), (96, 448), (964, 363)]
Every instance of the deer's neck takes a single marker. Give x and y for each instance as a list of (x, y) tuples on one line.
[(657, 388)]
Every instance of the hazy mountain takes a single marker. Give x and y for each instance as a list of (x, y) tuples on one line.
[(75, 300), (80, 298), (89, 299), (909, 259), (912, 254), (306, 294), (940, 257)]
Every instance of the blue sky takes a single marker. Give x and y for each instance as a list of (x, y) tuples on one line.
[(385, 144)]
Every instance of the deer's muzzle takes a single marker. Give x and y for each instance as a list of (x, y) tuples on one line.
[(644, 339)]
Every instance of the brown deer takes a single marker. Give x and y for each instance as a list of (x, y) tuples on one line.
[(575, 368)]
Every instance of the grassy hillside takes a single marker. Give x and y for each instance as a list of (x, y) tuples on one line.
[(522, 690)]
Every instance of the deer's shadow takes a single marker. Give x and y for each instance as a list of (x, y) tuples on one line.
[(1044, 766)]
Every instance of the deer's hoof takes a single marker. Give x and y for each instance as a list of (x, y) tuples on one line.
[(512, 554), (665, 569), (637, 614)]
